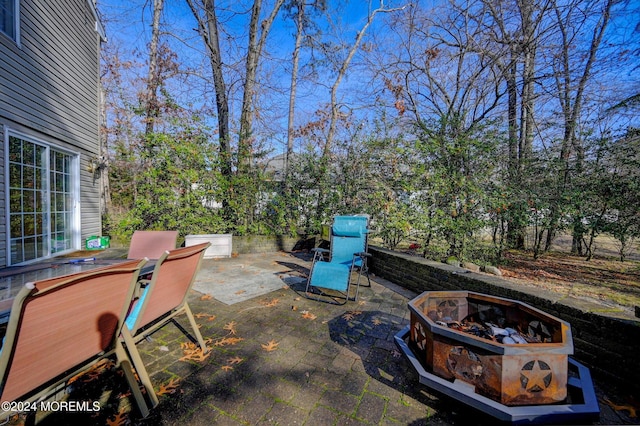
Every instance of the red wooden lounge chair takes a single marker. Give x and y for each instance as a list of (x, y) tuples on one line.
[(151, 244), (163, 297), (60, 327)]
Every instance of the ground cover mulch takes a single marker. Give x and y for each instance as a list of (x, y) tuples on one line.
[(604, 279)]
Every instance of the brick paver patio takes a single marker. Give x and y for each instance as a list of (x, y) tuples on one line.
[(281, 359)]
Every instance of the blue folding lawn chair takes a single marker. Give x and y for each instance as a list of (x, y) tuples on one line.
[(348, 253)]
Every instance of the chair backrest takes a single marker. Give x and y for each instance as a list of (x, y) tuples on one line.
[(61, 323), (348, 236), (151, 244), (172, 278)]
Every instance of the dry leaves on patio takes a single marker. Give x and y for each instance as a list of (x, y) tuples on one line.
[(621, 407), (193, 352), (271, 346), (94, 372), (230, 327), (231, 362), (169, 388), (308, 315), (270, 303), (209, 317), (351, 315), (121, 418), (227, 341)]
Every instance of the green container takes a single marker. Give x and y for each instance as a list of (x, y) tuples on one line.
[(96, 243)]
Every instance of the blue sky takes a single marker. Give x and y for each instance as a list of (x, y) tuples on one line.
[(128, 25)]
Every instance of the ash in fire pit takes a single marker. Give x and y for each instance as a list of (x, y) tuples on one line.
[(491, 323)]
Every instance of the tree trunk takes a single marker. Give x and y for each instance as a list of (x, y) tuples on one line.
[(254, 50), (152, 108), (208, 29), (293, 90), (570, 96)]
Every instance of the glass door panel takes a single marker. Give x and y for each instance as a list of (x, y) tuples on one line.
[(41, 210)]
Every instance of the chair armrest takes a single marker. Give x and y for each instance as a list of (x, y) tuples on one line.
[(320, 254), (363, 254)]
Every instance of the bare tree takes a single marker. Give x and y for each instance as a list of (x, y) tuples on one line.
[(258, 32), (299, 5), (572, 71), (335, 108), (152, 108), (205, 13)]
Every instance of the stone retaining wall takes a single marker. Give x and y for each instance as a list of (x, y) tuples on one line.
[(268, 244), (609, 346)]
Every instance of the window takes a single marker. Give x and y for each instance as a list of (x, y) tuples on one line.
[(42, 194), (9, 18)]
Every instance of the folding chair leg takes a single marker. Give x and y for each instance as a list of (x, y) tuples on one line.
[(127, 368), (196, 330), (134, 355)]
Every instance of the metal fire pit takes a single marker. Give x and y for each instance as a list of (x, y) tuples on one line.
[(512, 374), (512, 381)]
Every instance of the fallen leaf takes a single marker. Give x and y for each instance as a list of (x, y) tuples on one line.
[(120, 419), (235, 360), (351, 315), (169, 388), (621, 407), (195, 355), (271, 346), (226, 368), (376, 322), (270, 303), (308, 315), (206, 297), (226, 341), (240, 291), (230, 327), (93, 373), (193, 346)]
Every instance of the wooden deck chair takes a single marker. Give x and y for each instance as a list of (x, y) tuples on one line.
[(151, 244), (60, 327), (164, 296), (347, 253)]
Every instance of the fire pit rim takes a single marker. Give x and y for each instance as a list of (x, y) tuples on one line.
[(563, 347)]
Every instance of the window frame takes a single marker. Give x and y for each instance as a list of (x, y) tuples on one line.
[(16, 23)]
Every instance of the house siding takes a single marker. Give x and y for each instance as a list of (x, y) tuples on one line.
[(49, 89)]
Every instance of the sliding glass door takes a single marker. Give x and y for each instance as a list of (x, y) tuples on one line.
[(41, 200)]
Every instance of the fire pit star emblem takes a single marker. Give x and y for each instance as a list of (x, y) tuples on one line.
[(448, 310), (535, 376)]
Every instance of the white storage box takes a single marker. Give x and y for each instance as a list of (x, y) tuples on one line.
[(220, 244)]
